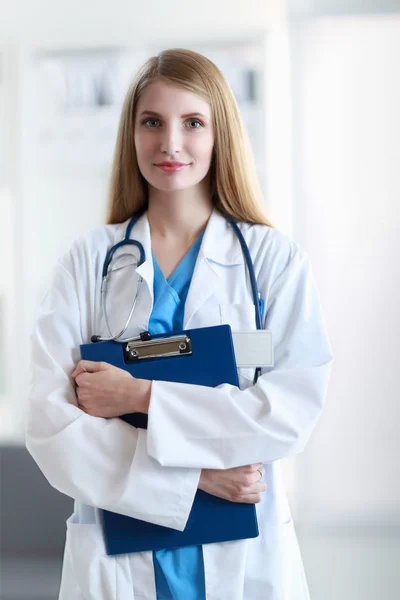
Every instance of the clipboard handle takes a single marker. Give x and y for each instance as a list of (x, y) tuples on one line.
[(159, 348)]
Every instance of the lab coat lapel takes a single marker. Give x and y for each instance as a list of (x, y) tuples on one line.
[(141, 233), (144, 305), (203, 284), (219, 247)]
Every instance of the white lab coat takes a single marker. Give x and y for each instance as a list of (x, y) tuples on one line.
[(153, 475)]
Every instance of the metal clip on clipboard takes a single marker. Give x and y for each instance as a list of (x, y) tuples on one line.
[(162, 347)]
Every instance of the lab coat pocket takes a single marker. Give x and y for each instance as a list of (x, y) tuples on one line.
[(97, 574), (241, 317)]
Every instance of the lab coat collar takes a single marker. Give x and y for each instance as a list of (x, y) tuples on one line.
[(220, 246)]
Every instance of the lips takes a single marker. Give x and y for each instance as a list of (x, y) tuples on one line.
[(172, 163), (171, 166)]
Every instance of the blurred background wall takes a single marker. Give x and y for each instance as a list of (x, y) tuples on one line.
[(346, 91), (328, 154)]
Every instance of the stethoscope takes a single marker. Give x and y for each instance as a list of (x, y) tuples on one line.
[(128, 242)]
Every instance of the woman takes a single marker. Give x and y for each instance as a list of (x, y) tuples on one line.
[(181, 156)]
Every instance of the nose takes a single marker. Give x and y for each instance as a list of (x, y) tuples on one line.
[(171, 140)]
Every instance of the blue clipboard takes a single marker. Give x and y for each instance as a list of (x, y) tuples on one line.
[(203, 356)]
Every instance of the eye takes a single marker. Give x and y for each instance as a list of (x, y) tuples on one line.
[(194, 123), (151, 123)]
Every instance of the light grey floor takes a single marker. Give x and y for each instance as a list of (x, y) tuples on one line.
[(340, 565), (30, 579)]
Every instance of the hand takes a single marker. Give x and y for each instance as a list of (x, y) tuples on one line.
[(103, 390), (241, 484)]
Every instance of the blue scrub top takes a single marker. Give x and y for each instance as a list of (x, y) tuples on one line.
[(179, 573)]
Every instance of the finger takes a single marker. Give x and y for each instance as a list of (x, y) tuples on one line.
[(254, 477), (257, 466), (259, 473), (77, 371), (82, 379), (255, 499), (249, 499), (81, 394), (90, 366), (261, 487), (251, 468), (257, 488)]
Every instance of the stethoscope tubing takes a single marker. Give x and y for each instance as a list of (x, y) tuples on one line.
[(142, 257)]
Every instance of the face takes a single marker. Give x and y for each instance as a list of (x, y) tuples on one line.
[(174, 137)]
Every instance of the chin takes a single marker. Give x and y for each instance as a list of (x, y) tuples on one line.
[(173, 188), (172, 184)]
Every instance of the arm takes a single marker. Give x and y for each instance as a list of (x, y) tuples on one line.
[(104, 390), (227, 427), (100, 462)]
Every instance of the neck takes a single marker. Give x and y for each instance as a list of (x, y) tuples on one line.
[(182, 214)]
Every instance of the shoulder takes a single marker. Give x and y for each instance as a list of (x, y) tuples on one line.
[(272, 249), (89, 248)]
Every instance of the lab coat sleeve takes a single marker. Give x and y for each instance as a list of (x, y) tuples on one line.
[(225, 427), (100, 462)]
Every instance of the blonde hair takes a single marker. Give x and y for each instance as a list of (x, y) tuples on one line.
[(235, 187)]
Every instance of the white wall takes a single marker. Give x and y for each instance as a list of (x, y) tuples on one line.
[(346, 98), (48, 24)]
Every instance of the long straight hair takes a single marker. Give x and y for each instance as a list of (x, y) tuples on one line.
[(235, 188)]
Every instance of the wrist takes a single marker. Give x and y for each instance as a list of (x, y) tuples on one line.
[(135, 395), (144, 396)]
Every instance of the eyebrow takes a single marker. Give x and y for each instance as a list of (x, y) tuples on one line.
[(155, 114)]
